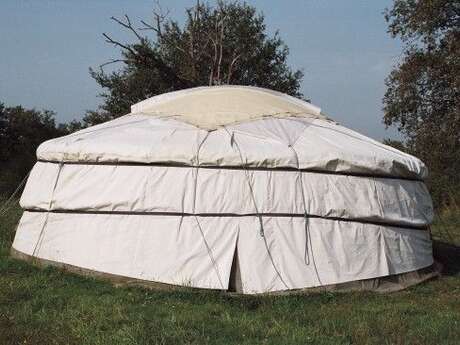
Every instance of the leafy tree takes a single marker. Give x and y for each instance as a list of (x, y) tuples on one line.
[(21, 131), (225, 44), (423, 95), (397, 144)]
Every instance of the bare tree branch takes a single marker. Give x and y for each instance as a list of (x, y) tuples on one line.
[(128, 26), (111, 62), (159, 33), (194, 21), (148, 26), (221, 48), (159, 17), (230, 69), (156, 62), (108, 39), (211, 75)]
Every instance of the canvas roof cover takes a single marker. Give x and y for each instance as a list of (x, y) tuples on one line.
[(211, 108), (277, 131)]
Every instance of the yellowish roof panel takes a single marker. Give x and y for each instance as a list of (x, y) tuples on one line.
[(216, 106)]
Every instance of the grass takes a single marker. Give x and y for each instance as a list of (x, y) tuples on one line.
[(47, 306)]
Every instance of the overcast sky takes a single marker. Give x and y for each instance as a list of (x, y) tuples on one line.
[(342, 46)]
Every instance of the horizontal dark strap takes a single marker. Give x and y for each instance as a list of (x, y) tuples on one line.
[(222, 215), (179, 165)]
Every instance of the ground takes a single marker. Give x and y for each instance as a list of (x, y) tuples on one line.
[(48, 306)]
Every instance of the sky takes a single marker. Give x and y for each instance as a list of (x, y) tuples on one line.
[(342, 46)]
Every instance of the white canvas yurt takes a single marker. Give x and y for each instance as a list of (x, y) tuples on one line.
[(230, 188)]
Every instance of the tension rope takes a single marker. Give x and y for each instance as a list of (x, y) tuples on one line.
[(9, 202), (259, 216), (307, 222), (45, 222), (208, 248)]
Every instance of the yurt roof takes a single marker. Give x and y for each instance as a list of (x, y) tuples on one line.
[(231, 126), (213, 107)]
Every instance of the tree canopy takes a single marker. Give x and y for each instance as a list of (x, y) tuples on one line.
[(223, 44), (423, 95), (21, 131)]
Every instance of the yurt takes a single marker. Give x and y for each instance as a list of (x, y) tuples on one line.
[(230, 188)]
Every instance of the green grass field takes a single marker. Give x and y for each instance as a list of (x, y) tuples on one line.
[(47, 306)]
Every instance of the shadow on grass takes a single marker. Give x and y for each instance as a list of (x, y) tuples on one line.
[(449, 256)]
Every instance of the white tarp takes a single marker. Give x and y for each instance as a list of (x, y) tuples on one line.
[(305, 201), (198, 251), (189, 190), (318, 144)]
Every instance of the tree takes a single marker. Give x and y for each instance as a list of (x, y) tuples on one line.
[(21, 131), (225, 44), (423, 95)]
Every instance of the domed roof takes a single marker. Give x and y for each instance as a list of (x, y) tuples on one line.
[(217, 106), (231, 126)]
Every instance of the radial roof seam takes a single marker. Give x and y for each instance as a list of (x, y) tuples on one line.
[(372, 141)]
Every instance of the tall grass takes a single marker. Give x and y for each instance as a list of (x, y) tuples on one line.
[(9, 217), (446, 225)]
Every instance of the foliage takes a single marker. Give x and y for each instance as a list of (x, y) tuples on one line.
[(21, 131), (225, 44), (48, 306), (397, 144), (423, 95)]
